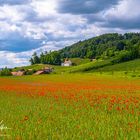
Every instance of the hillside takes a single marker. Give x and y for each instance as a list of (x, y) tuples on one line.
[(75, 61), (79, 61), (133, 65), (122, 47), (130, 68), (88, 66), (106, 66)]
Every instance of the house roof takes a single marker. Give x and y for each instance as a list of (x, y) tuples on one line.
[(19, 73), (14, 73), (39, 72)]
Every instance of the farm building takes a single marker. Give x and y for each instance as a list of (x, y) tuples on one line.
[(67, 63), (18, 73), (46, 70), (14, 73), (39, 72)]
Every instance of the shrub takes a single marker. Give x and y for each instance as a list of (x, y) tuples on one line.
[(5, 72)]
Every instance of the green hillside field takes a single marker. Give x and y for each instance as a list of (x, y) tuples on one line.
[(95, 66), (133, 65)]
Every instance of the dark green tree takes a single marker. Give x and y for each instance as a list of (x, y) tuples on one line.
[(42, 58), (35, 59)]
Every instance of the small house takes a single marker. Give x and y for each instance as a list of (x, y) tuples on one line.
[(67, 63)]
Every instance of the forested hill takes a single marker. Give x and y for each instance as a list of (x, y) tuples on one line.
[(121, 47), (107, 45)]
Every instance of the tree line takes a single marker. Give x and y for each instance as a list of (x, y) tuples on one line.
[(52, 58)]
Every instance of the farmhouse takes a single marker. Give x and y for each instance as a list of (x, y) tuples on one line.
[(39, 72), (46, 70), (67, 63)]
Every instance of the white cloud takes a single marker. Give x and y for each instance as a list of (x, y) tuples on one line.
[(9, 59), (44, 7), (125, 15), (10, 13)]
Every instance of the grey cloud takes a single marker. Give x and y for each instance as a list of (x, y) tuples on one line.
[(123, 24), (14, 2), (85, 6), (14, 42)]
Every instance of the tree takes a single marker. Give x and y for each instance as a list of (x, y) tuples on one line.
[(35, 59), (90, 54), (31, 61), (42, 58), (56, 58)]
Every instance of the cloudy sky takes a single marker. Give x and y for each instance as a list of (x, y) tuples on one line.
[(37, 25)]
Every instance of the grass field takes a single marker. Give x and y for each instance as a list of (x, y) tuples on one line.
[(70, 107)]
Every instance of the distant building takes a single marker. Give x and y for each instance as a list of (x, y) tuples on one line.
[(67, 63), (18, 73), (14, 73), (39, 72), (46, 70)]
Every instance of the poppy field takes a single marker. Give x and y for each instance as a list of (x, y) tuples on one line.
[(70, 107)]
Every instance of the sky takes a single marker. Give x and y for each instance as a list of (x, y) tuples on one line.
[(28, 26)]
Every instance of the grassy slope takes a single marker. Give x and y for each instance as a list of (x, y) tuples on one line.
[(76, 61), (79, 61), (88, 66), (126, 66), (96, 66), (36, 67)]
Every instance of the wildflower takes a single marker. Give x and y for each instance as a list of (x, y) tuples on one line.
[(26, 118)]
